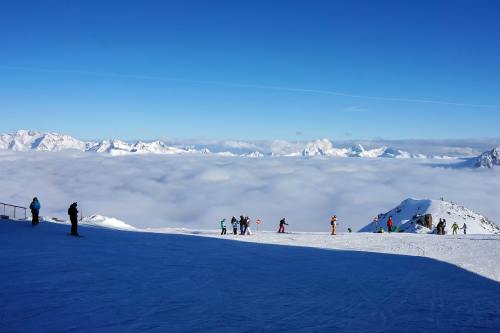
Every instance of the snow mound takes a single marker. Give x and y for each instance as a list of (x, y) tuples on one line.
[(106, 222), (488, 159), (409, 215)]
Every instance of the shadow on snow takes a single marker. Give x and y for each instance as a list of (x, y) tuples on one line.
[(128, 281)]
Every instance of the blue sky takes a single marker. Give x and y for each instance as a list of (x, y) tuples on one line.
[(251, 69)]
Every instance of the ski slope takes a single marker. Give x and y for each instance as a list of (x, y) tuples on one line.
[(128, 281)]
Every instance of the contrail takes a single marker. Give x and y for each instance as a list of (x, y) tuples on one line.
[(254, 86)]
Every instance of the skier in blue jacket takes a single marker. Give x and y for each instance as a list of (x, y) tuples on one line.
[(223, 226), (35, 211)]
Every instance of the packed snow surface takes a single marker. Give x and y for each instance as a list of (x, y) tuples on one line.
[(121, 281)]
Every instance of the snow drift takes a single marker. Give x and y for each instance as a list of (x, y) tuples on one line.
[(408, 217)]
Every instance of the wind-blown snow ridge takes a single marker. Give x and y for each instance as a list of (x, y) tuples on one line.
[(25, 140), (407, 217)]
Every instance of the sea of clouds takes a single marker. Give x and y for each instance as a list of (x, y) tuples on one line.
[(197, 191)]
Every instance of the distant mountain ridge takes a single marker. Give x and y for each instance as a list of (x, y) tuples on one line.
[(26, 140)]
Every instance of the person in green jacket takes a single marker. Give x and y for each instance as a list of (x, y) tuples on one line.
[(455, 228), (223, 226)]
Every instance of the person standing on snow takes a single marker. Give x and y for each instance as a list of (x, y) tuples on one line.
[(439, 227), (242, 225), (35, 211), (375, 223), (234, 223), (389, 224), (444, 227), (223, 227), (334, 225), (283, 223), (73, 217), (465, 229), (454, 228), (247, 226)]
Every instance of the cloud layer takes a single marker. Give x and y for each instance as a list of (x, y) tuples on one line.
[(196, 191)]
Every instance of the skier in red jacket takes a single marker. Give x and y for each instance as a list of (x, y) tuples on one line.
[(389, 224)]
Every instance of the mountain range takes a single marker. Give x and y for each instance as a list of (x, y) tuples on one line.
[(26, 140)]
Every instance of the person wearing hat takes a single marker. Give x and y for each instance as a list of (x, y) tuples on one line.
[(73, 217), (35, 211)]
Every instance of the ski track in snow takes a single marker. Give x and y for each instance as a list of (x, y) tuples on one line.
[(171, 280)]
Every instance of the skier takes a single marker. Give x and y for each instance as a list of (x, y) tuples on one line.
[(242, 224), (73, 216), (35, 211), (334, 225), (234, 223), (282, 226), (223, 226), (375, 223), (465, 229), (247, 226), (389, 224), (443, 229), (455, 228), (439, 227)]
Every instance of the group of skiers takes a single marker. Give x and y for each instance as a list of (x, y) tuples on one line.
[(441, 227), (243, 224), (72, 212)]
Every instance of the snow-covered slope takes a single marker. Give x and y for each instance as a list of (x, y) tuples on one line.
[(119, 281), (488, 159), (407, 217)]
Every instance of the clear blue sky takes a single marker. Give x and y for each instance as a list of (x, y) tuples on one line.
[(211, 69)]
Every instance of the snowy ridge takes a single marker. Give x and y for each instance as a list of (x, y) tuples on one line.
[(488, 159), (24, 140), (107, 222), (407, 217)]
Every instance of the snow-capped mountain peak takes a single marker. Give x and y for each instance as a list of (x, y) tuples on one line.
[(488, 159), (25, 140), (409, 216)]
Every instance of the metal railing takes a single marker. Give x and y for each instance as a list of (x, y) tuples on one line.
[(12, 211)]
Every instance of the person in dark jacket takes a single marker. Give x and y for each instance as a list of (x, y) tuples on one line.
[(73, 217), (282, 226), (35, 211), (242, 225), (234, 223)]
